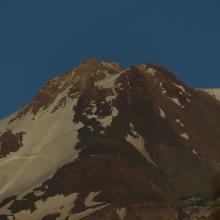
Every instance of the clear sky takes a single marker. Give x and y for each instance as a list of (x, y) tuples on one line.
[(40, 39)]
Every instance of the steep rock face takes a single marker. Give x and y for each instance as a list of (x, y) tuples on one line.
[(102, 142)]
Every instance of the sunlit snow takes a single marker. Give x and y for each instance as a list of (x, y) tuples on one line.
[(43, 150), (138, 142)]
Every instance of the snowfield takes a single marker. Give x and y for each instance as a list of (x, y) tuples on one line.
[(213, 92), (43, 150)]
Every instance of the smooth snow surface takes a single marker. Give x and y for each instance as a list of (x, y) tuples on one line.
[(47, 145)]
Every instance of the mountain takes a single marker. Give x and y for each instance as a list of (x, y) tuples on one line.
[(213, 92), (104, 142)]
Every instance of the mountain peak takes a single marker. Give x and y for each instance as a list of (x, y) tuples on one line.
[(114, 141), (94, 73), (91, 61)]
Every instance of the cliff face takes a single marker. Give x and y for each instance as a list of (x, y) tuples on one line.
[(102, 142)]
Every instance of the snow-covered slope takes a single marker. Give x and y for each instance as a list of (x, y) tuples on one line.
[(214, 92), (48, 144), (47, 140), (102, 142)]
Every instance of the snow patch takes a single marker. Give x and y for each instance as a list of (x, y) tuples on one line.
[(91, 128), (176, 101), (89, 200), (119, 86), (51, 205), (93, 108), (38, 193), (180, 87), (107, 120), (195, 152), (162, 113), (188, 100), (121, 212), (5, 210), (215, 92), (185, 135), (107, 82), (151, 71), (138, 142), (87, 212), (164, 91), (179, 122)]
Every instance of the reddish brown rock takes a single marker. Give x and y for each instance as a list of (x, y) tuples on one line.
[(10, 142), (177, 127)]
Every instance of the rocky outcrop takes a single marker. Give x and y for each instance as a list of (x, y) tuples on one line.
[(115, 144)]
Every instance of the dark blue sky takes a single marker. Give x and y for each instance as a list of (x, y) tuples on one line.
[(44, 38)]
